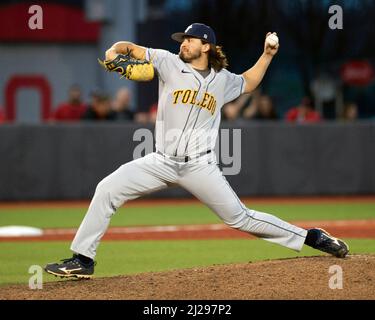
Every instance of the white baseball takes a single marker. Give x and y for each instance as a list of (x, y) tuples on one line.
[(272, 40)]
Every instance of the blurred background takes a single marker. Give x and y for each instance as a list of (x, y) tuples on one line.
[(65, 123)]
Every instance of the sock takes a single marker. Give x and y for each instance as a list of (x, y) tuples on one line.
[(312, 237), (84, 259)]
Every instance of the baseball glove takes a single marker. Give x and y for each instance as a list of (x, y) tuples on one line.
[(130, 68)]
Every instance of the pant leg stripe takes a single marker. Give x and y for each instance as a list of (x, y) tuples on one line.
[(246, 210), (273, 224)]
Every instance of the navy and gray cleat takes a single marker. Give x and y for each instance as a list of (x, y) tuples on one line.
[(71, 268), (327, 243)]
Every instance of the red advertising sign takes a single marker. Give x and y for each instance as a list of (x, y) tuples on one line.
[(357, 73), (61, 23)]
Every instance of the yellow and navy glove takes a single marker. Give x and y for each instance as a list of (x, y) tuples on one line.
[(130, 68)]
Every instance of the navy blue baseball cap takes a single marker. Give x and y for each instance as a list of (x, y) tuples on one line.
[(196, 30)]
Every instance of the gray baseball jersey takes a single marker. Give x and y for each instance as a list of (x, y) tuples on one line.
[(189, 105), (188, 119)]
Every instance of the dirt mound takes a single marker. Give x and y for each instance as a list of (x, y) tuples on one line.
[(297, 278)]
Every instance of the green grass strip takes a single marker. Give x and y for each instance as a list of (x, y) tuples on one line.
[(130, 257), (184, 214)]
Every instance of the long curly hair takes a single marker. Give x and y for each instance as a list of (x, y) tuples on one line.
[(217, 58)]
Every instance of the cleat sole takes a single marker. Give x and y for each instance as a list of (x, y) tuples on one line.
[(79, 276)]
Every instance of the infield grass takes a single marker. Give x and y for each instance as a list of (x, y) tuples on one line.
[(182, 214), (130, 257)]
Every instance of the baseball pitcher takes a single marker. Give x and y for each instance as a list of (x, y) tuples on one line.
[(193, 86)]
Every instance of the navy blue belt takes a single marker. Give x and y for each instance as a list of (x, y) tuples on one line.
[(183, 158)]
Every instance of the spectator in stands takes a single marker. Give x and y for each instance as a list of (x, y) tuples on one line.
[(152, 112), (303, 113), (350, 112), (73, 109), (121, 105), (2, 116), (100, 108), (261, 107), (142, 117), (147, 117), (233, 110)]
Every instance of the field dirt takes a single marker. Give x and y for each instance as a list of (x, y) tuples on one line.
[(359, 229), (295, 278)]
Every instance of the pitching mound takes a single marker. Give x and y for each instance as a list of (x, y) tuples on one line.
[(300, 278)]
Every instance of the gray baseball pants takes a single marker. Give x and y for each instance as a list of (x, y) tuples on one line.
[(201, 177)]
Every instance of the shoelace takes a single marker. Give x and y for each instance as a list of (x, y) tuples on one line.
[(324, 238), (69, 259), (75, 258)]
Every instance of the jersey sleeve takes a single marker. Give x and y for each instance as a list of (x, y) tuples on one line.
[(234, 86), (159, 58)]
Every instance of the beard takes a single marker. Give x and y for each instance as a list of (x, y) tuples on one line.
[(188, 57)]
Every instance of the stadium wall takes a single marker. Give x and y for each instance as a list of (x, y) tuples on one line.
[(66, 161)]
